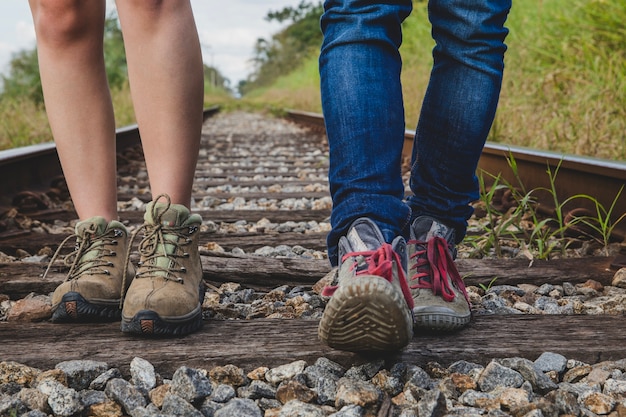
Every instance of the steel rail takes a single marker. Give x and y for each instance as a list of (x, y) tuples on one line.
[(601, 180), (34, 167)]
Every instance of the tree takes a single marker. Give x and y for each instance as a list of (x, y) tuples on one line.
[(23, 78), (288, 48)]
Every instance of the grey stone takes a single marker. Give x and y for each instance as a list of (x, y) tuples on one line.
[(615, 388), (418, 377), (548, 305), (550, 361), (209, 407), (460, 411), (142, 373), (540, 382), (101, 380), (268, 403), (295, 408), (65, 401), (463, 367), (91, 397), (148, 411), (190, 384), (223, 393), (349, 411), (569, 289), (365, 371), (496, 375), (239, 407), (80, 373), (566, 402), (330, 366), (579, 389), (34, 413), (256, 390), (283, 372), (12, 406), (432, 404), (174, 405), (326, 391), (125, 394), (545, 289), (499, 289)]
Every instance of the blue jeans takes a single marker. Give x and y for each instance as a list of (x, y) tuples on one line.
[(364, 112)]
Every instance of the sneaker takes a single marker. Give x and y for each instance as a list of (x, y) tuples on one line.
[(93, 288), (165, 298), (439, 295), (370, 305)]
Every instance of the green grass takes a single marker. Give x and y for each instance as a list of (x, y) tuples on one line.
[(564, 85), (25, 123)]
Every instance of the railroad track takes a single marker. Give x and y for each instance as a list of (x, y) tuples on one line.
[(251, 176)]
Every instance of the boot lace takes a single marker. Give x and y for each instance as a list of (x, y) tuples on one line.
[(377, 262), (85, 243), (433, 266), (159, 242)]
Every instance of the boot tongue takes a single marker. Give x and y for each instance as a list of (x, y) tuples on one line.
[(89, 230), (93, 226), (364, 236), (425, 228), (167, 216)]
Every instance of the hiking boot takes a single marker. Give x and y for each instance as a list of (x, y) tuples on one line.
[(370, 305), (439, 295), (93, 287), (165, 298)]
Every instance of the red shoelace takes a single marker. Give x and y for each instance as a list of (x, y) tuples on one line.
[(379, 263), (432, 270)]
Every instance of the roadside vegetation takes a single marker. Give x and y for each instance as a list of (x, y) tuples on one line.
[(24, 120)]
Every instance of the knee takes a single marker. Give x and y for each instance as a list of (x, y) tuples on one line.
[(62, 22), (150, 10)]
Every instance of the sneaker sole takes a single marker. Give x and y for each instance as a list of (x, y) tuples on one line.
[(366, 315), (440, 321), (74, 308)]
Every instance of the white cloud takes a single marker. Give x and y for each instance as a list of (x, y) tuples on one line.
[(228, 30)]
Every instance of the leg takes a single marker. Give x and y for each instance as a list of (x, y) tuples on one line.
[(457, 113), (370, 308), (165, 72), (77, 98), (458, 109), (362, 104)]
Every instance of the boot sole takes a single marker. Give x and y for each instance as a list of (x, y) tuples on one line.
[(366, 315), (149, 323), (74, 308)]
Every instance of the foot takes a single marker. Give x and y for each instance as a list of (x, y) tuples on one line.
[(165, 298), (370, 305), (93, 288), (439, 296)]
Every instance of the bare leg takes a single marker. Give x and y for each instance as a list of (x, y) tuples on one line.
[(77, 98), (165, 72)]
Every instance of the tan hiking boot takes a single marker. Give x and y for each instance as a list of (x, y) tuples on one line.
[(439, 295), (370, 307), (93, 288), (166, 295)]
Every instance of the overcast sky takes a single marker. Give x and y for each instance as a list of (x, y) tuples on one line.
[(228, 31)]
